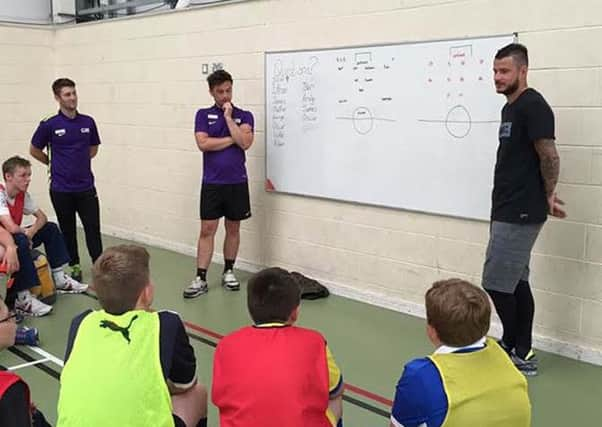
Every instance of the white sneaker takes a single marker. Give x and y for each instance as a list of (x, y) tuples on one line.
[(196, 288), (229, 281), (68, 285), (27, 305)]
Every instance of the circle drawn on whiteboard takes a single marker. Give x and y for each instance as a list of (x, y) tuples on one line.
[(458, 121), (363, 121)]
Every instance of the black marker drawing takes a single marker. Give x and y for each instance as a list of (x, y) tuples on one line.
[(363, 120), (458, 122)]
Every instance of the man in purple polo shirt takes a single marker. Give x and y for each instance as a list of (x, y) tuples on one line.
[(71, 140), (223, 132)]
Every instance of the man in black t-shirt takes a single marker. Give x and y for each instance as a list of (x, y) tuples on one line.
[(526, 173)]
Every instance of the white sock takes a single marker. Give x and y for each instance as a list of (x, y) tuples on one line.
[(58, 274), (24, 294)]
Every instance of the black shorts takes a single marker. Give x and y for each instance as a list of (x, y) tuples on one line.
[(228, 200), (178, 421)]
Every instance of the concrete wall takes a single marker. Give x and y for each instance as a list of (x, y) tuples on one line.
[(26, 69)]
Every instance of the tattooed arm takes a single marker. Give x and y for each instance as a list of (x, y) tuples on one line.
[(550, 169), (549, 163)]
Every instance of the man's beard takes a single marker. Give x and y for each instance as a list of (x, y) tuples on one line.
[(513, 87)]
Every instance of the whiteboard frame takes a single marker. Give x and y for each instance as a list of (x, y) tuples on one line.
[(514, 35)]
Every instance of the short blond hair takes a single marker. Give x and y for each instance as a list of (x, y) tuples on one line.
[(119, 276)]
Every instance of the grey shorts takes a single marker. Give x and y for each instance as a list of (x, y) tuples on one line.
[(508, 255)]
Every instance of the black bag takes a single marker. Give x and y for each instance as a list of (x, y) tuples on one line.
[(310, 289)]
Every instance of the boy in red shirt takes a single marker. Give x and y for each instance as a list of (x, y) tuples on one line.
[(274, 373)]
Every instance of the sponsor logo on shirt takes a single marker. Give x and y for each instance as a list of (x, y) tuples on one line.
[(60, 132), (237, 121), (212, 116), (85, 130), (211, 123), (506, 130)]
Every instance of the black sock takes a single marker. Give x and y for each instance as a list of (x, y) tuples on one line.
[(202, 273), (229, 265), (525, 306), (505, 305), (202, 422)]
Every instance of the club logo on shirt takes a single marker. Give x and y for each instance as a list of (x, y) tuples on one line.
[(506, 130), (237, 121), (60, 132), (85, 130)]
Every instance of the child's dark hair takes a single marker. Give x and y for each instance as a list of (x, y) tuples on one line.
[(272, 296)]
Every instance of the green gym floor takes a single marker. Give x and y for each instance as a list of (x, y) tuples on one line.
[(370, 344)]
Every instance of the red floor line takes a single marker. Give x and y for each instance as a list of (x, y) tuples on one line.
[(354, 389), (368, 395), (203, 330)]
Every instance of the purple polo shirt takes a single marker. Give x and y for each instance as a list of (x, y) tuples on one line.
[(225, 166), (68, 141)]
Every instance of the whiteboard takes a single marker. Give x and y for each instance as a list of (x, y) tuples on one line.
[(411, 126)]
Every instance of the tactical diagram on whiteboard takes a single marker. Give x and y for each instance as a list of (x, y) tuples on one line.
[(407, 125), (364, 74), (458, 77)]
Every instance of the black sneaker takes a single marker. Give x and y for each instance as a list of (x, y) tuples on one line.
[(528, 365)]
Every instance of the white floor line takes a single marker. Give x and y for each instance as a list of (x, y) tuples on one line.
[(48, 356), (25, 365)]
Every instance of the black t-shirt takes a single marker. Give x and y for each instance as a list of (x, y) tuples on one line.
[(177, 355), (518, 189)]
